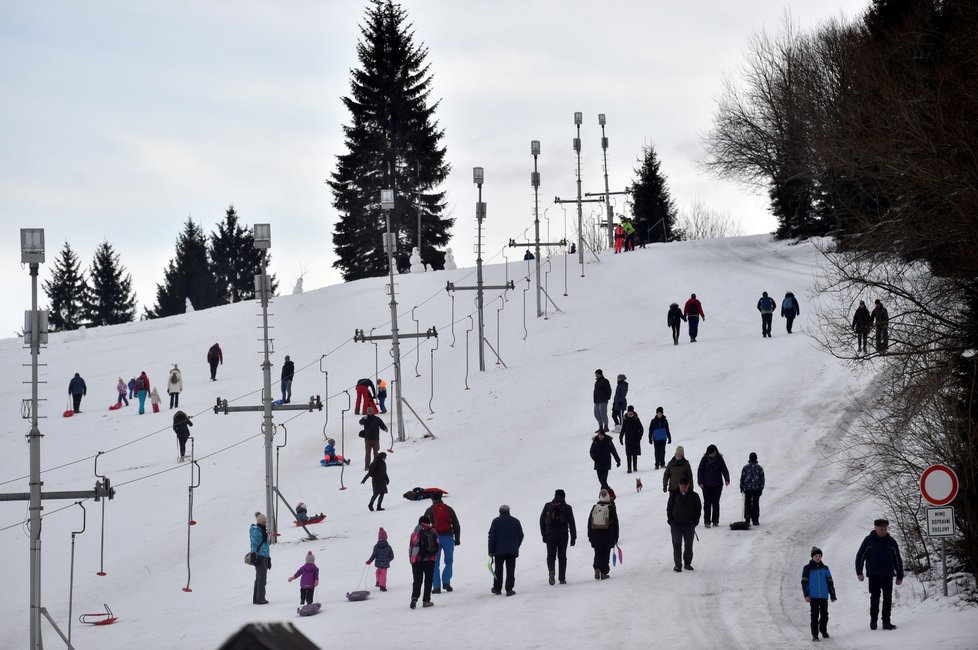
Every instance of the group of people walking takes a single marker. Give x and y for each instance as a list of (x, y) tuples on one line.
[(864, 321)]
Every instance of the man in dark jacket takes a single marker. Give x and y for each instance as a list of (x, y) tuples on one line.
[(790, 309), (602, 533), (766, 306), (673, 319), (881, 320), (556, 525), (215, 357), (861, 322), (602, 393), (631, 438), (602, 450), (77, 388), (505, 537), (683, 515), (620, 402), (371, 436), (181, 427), (712, 475), (881, 555), (288, 369)]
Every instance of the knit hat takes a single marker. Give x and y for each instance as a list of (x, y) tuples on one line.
[(816, 551), (504, 509), (261, 519), (300, 505), (370, 410), (680, 451), (881, 522), (310, 558), (659, 410), (330, 441), (559, 494), (603, 496), (630, 409), (712, 448), (684, 481), (382, 534), (764, 293), (382, 455), (598, 372), (423, 520), (753, 457)]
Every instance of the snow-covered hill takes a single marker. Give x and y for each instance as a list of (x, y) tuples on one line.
[(510, 435)]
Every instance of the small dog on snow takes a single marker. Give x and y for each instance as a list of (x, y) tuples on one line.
[(638, 484)]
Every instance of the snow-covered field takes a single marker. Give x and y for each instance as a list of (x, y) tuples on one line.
[(512, 436)]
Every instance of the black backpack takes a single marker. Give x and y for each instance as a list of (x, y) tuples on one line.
[(557, 516), (427, 543)]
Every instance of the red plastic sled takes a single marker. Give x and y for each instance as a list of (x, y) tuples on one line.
[(312, 520), (68, 413), (99, 618), (115, 407)]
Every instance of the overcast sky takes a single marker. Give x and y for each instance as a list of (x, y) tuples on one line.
[(118, 119)]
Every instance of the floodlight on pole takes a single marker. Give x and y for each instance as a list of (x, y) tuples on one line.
[(263, 235), (390, 249), (478, 177), (535, 181), (578, 118), (607, 197), (263, 242)]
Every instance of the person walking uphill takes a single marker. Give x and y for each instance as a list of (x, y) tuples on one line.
[(790, 309), (683, 515), (673, 318), (659, 435), (881, 555), (142, 390), (215, 357), (677, 468), (881, 321), (384, 555), (174, 386), (861, 322), (421, 554), (817, 585), (752, 486), (505, 539), (602, 450), (602, 533), (288, 369), (766, 306), (260, 557), (181, 426), (371, 436), (444, 521), (619, 403), (693, 311), (631, 438), (602, 393), (377, 473), (711, 476), (77, 389), (556, 526)]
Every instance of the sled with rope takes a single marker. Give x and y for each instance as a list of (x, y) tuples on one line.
[(309, 610), (99, 618), (311, 520)]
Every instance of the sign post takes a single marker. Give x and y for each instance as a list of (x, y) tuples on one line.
[(939, 486)]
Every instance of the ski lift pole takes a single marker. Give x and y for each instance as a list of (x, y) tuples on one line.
[(452, 296), (525, 331), (101, 566), (278, 464), (417, 348), (349, 404), (471, 327), (432, 373), (376, 355), (71, 574), (190, 506), (326, 393)]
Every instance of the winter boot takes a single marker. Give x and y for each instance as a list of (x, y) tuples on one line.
[(414, 603), (551, 577)]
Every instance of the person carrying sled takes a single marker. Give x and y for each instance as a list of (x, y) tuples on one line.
[(602, 451), (371, 435), (693, 311), (711, 476), (631, 438), (619, 403), (384, 555), (659, 435), (181, 426), (365, 396), (673, 318), (215, 357), (790, 309), (377, 473), (602, 533), (818, 588), (308, 575), (766, 306), (556, 527), (505, 539), (77, 389), (174, 386), (444, 521), (861, 322)]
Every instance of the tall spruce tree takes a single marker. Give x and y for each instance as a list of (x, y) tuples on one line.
[(110, 299), (188, 275), (234, 259), (67, 291), (393, 143), (651, 200)]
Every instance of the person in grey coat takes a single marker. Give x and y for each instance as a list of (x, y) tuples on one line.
[(505, 538)]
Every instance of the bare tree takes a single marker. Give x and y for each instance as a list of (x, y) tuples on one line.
[(701, 222)]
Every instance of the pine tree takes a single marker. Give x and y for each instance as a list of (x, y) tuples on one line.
[(393, 143), (235, 261), (111, 299), (188, 275), (651, 200), (67, 291)]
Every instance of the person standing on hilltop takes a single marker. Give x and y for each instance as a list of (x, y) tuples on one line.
[(215, 357)]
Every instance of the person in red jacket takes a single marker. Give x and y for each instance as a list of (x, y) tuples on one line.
[(693, 311), (215, 357), (619, 238)]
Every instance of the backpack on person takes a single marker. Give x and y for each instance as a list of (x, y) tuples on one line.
[(441, 519), (557, 516), (601, 516), (140, 385), (427, 543)]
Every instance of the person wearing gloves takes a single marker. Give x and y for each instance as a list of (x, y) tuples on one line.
[(383, 554), (308, 575)]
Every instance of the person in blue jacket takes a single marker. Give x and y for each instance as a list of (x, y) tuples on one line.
[(76, 388), (790, 309), (505, 538), (260, 557), (817, 585), (659, 435), (881, 556)]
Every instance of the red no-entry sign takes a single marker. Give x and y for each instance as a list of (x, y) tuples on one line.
[(939, 485)]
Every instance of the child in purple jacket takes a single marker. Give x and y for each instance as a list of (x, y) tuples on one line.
[(308, 575)]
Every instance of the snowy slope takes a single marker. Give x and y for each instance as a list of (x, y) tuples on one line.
[(512, 437)]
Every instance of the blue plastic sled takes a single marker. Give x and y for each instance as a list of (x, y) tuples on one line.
[(278, 402)]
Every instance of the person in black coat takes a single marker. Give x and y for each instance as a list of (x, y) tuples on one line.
[(505, 538), (631, 438), (711, 476), (77, 388), (683, 515), (181, 426), (673, 319), (602, 450), (790, 309), (619, 403), (602, 394), (288, 370), (377, 472), (556, 526), (861, 323), (371, 436), (881, 555), (602, 533)]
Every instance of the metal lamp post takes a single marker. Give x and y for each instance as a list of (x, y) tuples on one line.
[(535, 181), (263, 241), (478, 177), (607, 198), (578, 118), (390, 249)]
